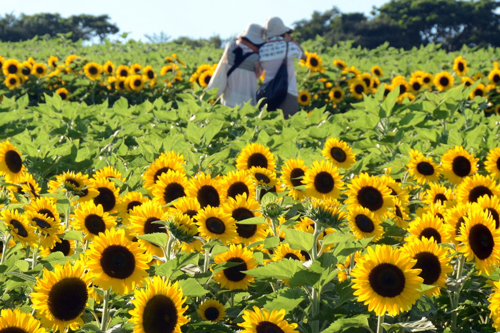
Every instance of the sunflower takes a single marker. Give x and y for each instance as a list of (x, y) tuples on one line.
[(491, 205), (169, 187), (211, 310), (47, 226), (377, 71), (188, 206), (443, 81), (351, 70), (233, 277), (63, 93), (241, 209), (467, 81), (108, 195), (187, 229), (313, 62), (206, 190), (387, 89), (204, 78), (433, 261), (66, 247), (323, 181), (431, 227), (422, 169), (11, 67), (116, 262), (370, 192), (39, 70), (27, 187), (401, 213), (16, 321), (135, 69), (141, 223), (454, 217), (122, 71), (457, 164), (476, 186), (336, 95), (158, 307), (61, 296), (494, 306), (19, 228), (358, 88), (480, 239), (415, 84), (12, 81), (215, 223), (438, 194), (364, 224), (93, 71), (149, 73), (460, 66), (263, 176), (78, 184), (386, 281), (255, 155), (304, 97), (92, 220), (284, 251), (493, 76), (70, 59), (128, 203), (492, 163), (108, 68), (292, 176), (339, 153), (108, 172), (44, 206), (368, 79), (480, 91), (264, 321), (340, 64), (163, 164), (236, 183), (136, 82)]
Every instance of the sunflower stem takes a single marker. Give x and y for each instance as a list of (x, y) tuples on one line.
[(35, 253), (168, 249), (456, 295), (105, 311), (5, 247), (206, 263), (314, 250), (380, 321), (315, 310)]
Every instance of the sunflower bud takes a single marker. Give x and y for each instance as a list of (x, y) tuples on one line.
[(272, 206)]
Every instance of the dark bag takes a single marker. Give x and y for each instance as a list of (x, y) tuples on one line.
[(275, 90)]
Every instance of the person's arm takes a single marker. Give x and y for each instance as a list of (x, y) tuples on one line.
[(258, 70), (290, 39)]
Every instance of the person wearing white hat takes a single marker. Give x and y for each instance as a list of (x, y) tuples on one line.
[(271, 57), (242, 57)]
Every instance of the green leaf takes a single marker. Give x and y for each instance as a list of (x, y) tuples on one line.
[(288, 299), (304, 278), (271, 242), (192, 288), (23, 266), (207, 327), (253, 220), (175, 265), (73, 235), (337, 237), (389, 103), (22, 276), (339, 325), (283, 269), (299, 240), (158, 238), (222, 266)]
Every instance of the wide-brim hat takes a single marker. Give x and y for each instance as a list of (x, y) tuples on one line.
[(275, 27), (254, 33)]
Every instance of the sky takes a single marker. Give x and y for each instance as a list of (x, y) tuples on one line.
[(190, 18)]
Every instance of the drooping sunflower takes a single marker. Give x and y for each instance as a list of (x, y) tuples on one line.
[(211, 310), (121, 84), (122, 71), (169, 187), (159, 307), (109, 195), (92, 220), (77, 183), (236, 183), (292, 176), (385, 280), (443, 81), (457, 164), (164, 163), (336, 95), (455, 218), (480, 90), (11, 67), (19, 228), (135, 69), (339, 153), (429, 226), (11, 164), (127, 203), (474, 187), (187, 229), (370, 192), (53, 61), (233, 277), (141, 223), (61, 296), (377, 71), (44, 206), (422, 169), (188, 206), (241, 209), (400, 213), (323, 181), (438, 194), (304, 97), (352, 71), (63, 93), (493, 76), (284, 251), (364, 224), (206, 190), (108, 172), (47, 226), (263, 176), (467, 81), (116, 262), (70, 59), (255, 155), (28, 187), (340, 64), (12, 81), (433, 261), (264, 321), (357, 88), (39, 70), (491, 205), (460, 66), (480, 240), (215, 223), (492, 163), (66, 247), (17, 321)]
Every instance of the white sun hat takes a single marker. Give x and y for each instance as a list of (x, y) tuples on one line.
[(254, 33), (276, 27)]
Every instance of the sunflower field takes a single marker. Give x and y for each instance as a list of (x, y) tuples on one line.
[(131, 201)]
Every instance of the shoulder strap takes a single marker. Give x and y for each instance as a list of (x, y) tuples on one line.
[(286, 52), (239, 58)]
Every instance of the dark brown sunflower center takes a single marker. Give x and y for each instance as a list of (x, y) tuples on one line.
[(150, 227), (303, 97), (137, 82), (461, 67), (478, 192), (106, 198), (460, 223), (431, 232), (131, 205), (338, 154), (215, 225), (376, 72), (212, 313), (461, 166), (95, 224), (402, 89), (39, 70), (237, 188), (92, 70), (19, 228), (440, 197), (324, 182), (364, 223), (67, 298), (173, 191), (359, 89), (160, 315), (13, 161), (430, 266), (387, 280), (268, 327), (444, 81), (337, 94), (150, 74), (496, 78), (494, 214), (398, 212), (314, 62), (12, 81), (386, 92), (257, 160), (427, 80), (117, 262), (12, 69), (296, 177), (242, 213), (109, 69), (26, 71), (371, 198), (468, 83), (47, 212), (124, 72), (160, 172), (63, 95), (42, 224), (425, 168), (481, 241), (12, 329), (207, 79), (64, 246), (479, 92), (72, 182), (234, 273), (416, 86), (191, 213), (121, 84), (291, 256), (262, 178), (208, 196)]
